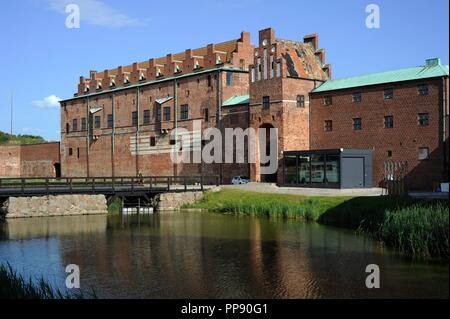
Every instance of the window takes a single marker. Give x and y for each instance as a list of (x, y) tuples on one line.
[(184, 112), (388, 94), (134, 118), (327, 100), (328, 126), (422, 89), (158, 114), (70, 152), (389, 153), (67, 127), (83, 124), (167, 113), (423, 119), (357, 124), (230, 77), (110, 121), (152, 141), (300, 101), (74, 125), (206, 115), (356, 97), (97, 121), (78, 152), (424, 153), (252, 75), (388, 121), (266, 102), (146, 116)]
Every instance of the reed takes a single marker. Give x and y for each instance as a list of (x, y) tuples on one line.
[(14, 286)]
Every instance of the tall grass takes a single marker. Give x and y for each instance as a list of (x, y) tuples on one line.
[(414, 226), (14, 286), (418, 230)]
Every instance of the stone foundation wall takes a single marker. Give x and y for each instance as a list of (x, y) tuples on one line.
[(174, 201), (61, 205)]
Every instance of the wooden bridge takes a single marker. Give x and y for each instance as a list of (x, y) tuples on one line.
[(110, 186)]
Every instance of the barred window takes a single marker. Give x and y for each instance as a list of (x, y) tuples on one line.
[(167, 113), (422, 89), (134, 118), (158, 114), (74, 125), (184, 115), (357, 124), (388, 94), (266, 102), (328, 126), (300, 101), (356, 97), (388, 121), (327, 100), (83, 124), (110, 121), (146, 116), (423, 119), (97, 121)]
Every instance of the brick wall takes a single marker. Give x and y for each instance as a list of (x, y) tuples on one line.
[(400, 143), (37, 160)]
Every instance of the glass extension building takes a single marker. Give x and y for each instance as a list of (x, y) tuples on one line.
[(335, 168)]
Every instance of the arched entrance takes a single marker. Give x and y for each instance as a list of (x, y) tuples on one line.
[(266, 178)]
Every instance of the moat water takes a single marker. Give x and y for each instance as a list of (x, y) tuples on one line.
[(208, 255)]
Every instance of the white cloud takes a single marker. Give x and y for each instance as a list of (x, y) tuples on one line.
[(97, 13), (47, 102)]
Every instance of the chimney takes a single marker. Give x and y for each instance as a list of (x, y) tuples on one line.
[(245, 37)]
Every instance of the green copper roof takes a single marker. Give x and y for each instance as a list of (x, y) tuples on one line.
[(432, 69), (237, 100)]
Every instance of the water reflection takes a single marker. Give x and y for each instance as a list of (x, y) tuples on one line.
[(201, 255)]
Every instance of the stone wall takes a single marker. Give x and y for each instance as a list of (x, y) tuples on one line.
[(174, 201), (61, 205)]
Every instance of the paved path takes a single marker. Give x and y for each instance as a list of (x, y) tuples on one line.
[(272, 188)]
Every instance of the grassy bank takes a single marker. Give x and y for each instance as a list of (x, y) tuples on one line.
[(414, 226), (14, 286)]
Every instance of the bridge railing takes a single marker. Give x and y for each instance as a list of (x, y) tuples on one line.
[(98, 184)]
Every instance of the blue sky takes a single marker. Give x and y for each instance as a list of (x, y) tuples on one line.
[(42, 60)]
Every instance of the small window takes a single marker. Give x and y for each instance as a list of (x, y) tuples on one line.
[(327, 100), (266, 102), (184, 112), (110, 121), (423, 119), (158, 114), (328, 126), (172, 141), (357, 124), (74, 125), (83, 124), (70, 152), (388, 121), (167, 113), (230, 77), (389, 153), (78, 152), (206, 115), (134, 118), (422, 89), (67, 127), (152, 141), (300, 101), (97, 121), (356, 97), (424, 153), (388, 94), (146, 116)]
